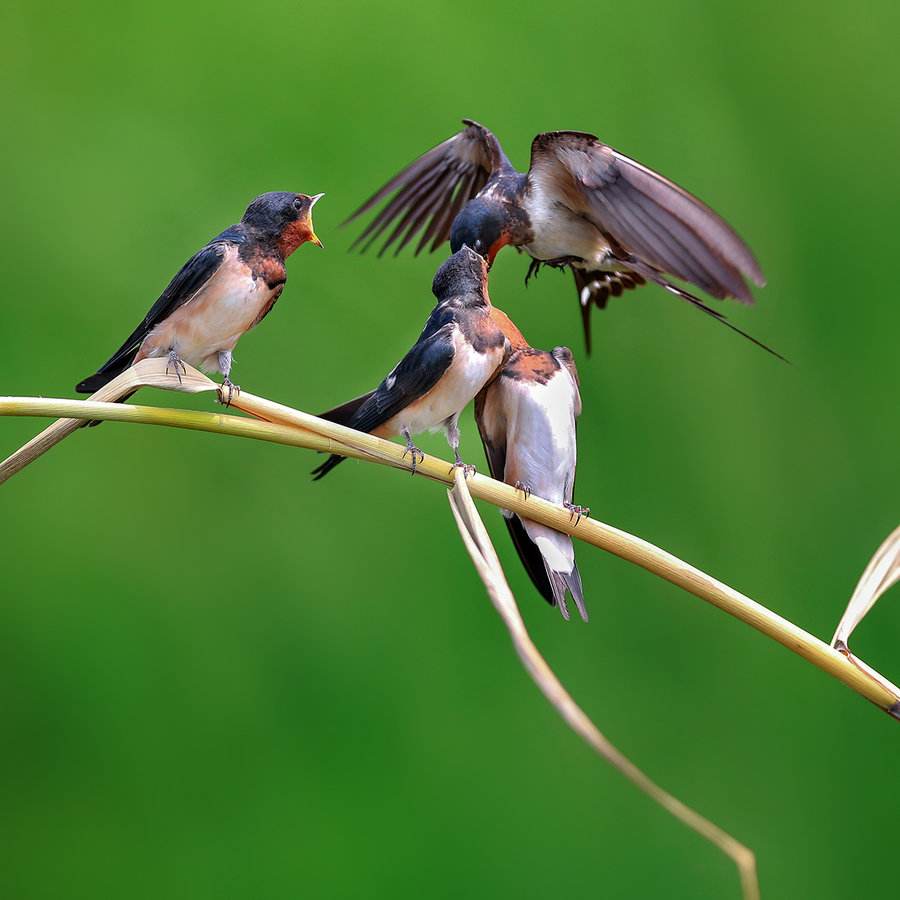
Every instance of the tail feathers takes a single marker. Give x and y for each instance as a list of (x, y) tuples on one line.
[(343, 414), (110, 369), (595, 289), (321, 471), (560, 582), (548, 558), (340, 415)]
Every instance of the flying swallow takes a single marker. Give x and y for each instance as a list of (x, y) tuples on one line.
[(526, 418), (581, 205), (220, 293), (457, 353)]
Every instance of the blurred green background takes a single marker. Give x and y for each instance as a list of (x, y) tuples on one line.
[(220, 680)]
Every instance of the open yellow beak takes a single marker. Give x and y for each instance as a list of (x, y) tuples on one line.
[(313, 237)]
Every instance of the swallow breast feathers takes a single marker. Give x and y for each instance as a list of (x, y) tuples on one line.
[(214, 318), (526, 417)]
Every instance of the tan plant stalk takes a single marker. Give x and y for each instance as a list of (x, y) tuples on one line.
[(481, 550), (303, 430)]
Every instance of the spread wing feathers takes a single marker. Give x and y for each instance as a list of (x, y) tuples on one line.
[(413, 377), (595, 289), (436, 185), (195, 273), (643, 213)]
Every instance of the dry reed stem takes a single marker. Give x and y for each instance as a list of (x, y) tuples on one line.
[(481, 550), (290, 426)]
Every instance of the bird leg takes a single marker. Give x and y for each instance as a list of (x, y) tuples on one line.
[(577, 512), (453, 439), (534, 268), (524, 487), (225, 360), (174, 363), (561, 261), (415, 453)]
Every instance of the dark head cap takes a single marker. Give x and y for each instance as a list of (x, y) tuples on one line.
[(480, 225), (464, 273), (284, 218)]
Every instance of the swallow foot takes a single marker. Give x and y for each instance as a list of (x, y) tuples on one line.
[(227, 391), (560, 262), (534, 268), (415, 454), (524, 487), (577, 512), (175, 364), (468, 468)]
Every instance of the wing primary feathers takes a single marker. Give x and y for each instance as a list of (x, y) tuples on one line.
[(383, 219), (192, 276), (643, 213), (429, 191)]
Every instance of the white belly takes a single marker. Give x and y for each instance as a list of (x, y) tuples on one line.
[(540, 436), (214, 319), (558, 232), (467, 375)]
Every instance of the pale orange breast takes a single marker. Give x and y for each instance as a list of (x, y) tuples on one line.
[(214, 319)]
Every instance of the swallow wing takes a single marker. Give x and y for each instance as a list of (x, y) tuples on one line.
[(436, 185), (413, 377), (643, 214), (195, 273)]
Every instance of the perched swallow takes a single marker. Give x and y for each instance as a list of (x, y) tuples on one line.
[(222, 291), (526, 418), (457, 353), (582, 205)]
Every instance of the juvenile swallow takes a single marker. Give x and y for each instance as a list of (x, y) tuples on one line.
[(458, 351), (221, 292), (526, 418), (581, 205)]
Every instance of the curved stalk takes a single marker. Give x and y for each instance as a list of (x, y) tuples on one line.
[(285, 425)]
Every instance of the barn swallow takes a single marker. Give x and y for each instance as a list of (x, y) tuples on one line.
[(526, 418), (581, 205), (221, 292), (458, 352)]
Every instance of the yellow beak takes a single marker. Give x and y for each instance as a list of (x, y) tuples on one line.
[(313, 238)]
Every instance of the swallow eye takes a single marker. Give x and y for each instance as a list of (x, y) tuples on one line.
[(478, 245), (298, 204)]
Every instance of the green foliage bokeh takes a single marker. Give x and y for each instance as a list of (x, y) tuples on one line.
[(220, 680)]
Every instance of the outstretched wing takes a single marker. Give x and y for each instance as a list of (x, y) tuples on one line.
[(436, 185), (642, 214), (195, 273)]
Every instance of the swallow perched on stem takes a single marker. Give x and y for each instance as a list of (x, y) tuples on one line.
[(224, 290), (526, 418), (458, 352), (581, 205)]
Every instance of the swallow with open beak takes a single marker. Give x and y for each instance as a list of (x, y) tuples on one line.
[(526, 418), (220, 293), (581, 205), (457, 353)]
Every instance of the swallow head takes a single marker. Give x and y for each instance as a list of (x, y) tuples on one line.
[(464, 273), (285, 218), (481, 225)]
